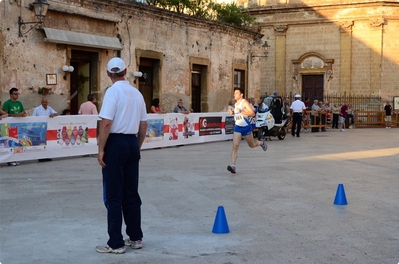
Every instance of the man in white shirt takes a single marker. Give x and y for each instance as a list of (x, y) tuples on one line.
[(44, 109), (123, 129), (297, 108)]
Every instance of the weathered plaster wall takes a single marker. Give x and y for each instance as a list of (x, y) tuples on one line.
[(26, 60)]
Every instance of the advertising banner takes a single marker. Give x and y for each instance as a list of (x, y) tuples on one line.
[(29, 138)]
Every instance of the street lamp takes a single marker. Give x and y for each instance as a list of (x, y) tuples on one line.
[(40, 7), (265, 47)]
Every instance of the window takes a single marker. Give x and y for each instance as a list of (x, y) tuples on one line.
[(239, 80)]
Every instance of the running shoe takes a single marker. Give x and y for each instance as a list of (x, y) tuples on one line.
[(263, 144), (231, 168)]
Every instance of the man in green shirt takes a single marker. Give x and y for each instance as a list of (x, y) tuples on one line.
[(14, 107)]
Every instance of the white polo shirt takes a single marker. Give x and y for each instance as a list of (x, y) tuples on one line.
[(298, 106), (40, 111), (125, 105)]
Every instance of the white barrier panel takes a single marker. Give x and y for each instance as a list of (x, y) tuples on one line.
[(32, 138), (27, 138), (178, 129)]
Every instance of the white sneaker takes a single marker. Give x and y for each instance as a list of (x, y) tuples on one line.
[(342, 130), (108, 249), (134, 244), (386, 127)]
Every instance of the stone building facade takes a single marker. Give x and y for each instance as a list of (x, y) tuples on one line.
[(326, 47), (179, 56)]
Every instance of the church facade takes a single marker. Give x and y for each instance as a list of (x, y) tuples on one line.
[(319, 47)]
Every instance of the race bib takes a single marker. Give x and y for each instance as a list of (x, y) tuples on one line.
[(238, 117)]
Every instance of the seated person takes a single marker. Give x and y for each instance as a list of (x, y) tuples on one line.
[(180, 108), (155, 108)]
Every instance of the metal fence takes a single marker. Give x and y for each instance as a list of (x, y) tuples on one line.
[(358, 102)]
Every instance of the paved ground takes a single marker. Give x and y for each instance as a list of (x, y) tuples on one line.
[(279, 205)]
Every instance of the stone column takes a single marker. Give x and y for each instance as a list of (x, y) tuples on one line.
[(376, 37), (346, 56), (280, 33)]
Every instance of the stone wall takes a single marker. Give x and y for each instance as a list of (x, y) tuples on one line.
[(360, 38), (173, 39)]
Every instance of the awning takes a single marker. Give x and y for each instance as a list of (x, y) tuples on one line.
[(81, 39)]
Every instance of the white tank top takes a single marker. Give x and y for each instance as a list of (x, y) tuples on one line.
[(240, 119)]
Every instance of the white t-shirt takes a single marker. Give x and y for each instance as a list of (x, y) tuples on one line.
[(125, 105), (297, 106)]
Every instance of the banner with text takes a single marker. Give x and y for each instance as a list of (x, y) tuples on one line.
[(32, 138)]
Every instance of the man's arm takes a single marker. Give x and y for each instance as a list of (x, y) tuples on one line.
[(142, 132), (53, 113), (105, 127), (248, 111)]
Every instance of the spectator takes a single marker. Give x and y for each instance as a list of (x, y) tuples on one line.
[(335, 111), (14, 108), (342, 116), (155, 108), (44, 109), (315, 118), (307, 103), (180, 108), (230, 106), (349, 117), (323, 111), (88, 108), (287, 109), (3, 114), (388, 113)]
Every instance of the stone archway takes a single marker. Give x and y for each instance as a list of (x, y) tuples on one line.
[(312, 63)]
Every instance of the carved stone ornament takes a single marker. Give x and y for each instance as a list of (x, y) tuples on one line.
[(345, 26), (312, 63), (280, 29), (377, 22)]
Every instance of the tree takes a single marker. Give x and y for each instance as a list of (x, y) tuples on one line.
[(227, 13)]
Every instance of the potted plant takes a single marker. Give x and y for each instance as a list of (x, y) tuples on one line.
[(82, 78)]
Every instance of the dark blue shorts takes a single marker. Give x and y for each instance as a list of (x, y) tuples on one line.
[(244, 131)]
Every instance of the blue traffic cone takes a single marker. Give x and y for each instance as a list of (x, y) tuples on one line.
[(340, 197), (220, 226)]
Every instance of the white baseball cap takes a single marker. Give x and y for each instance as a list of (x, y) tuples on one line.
[(116, 65), (297, 96)]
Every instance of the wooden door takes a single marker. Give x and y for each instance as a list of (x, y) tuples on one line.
[(312, 87)]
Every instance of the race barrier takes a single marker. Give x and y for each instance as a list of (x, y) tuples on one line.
[(29, 138)]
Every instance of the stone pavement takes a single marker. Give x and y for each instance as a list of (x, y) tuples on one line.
[(279, 205)]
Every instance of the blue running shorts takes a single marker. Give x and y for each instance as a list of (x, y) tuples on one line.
[(244, 131)]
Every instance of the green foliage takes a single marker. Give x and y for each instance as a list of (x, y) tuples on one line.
[(233, 15), (227, 13)]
